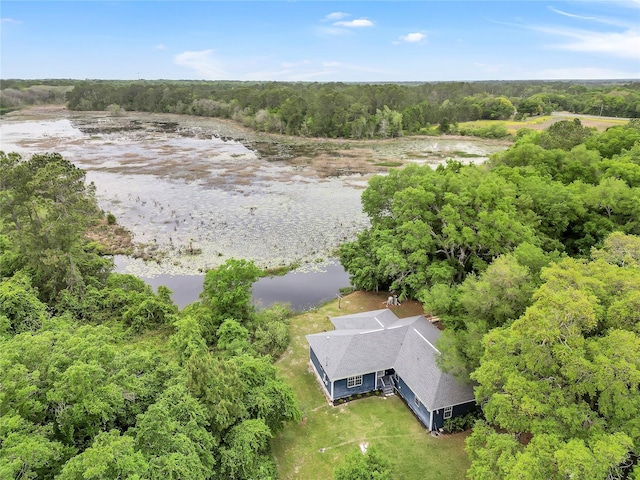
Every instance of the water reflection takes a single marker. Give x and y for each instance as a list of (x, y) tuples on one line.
[(302, 289)]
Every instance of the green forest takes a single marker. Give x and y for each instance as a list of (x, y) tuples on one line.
[(100, 377), (531, 261), (336, 110)]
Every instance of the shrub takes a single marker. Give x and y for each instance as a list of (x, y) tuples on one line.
[(496, 130), (370, 465), (460, 424), (346, 290)]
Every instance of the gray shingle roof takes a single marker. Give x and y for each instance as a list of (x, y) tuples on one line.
[(365, 320), (372, 341)]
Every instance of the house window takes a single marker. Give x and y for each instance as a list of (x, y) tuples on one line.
[(448, 412), (416, 400), (354, 381)]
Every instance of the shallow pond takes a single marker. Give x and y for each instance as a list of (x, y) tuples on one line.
[(301, 289)]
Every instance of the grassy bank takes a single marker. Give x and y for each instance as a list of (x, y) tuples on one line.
[(312, 448)]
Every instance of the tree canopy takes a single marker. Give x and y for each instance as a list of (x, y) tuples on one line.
[(437, 226), (46, 207), (369, 465), (101, 377), (531, 263), (560, 386)]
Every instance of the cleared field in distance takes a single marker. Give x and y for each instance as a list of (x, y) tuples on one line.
[(544, 121)]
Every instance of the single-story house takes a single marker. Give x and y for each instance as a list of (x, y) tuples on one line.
[(377, 351)]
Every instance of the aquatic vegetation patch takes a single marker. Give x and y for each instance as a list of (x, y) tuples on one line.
[(196, 191)]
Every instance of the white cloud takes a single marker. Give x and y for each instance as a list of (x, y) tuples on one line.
[(337, 16), (331, 64), (625, 44), (203, 63), (357, 23), (9, 20), (571, 15), (603, 20), (416, 37), (160, 47)]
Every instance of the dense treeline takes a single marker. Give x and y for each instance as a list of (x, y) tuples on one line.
[(532, 262), (358, 110), (560, 386), (15, 94), (564, 189), (101, 377)]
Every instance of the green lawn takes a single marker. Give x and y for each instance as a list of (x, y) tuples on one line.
[(312, 448)]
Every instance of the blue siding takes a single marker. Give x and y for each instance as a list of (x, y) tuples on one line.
[(321, 373), (421, 411), (458, 410), (340, 389)]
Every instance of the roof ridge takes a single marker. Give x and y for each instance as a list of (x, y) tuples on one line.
[(422, 337)]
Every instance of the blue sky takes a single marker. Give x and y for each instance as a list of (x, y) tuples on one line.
[(321, 40)]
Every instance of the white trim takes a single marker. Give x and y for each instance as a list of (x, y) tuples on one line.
[(371, 372), (371, 331), (430, 344), (324, 387), (444, 413), (355, 381), (430, 421), (456, 404)]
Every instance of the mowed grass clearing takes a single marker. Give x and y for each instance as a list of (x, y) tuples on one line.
[(311, 449), (544, 121)]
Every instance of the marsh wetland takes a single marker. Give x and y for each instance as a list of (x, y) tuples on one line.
[(196, 191)]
